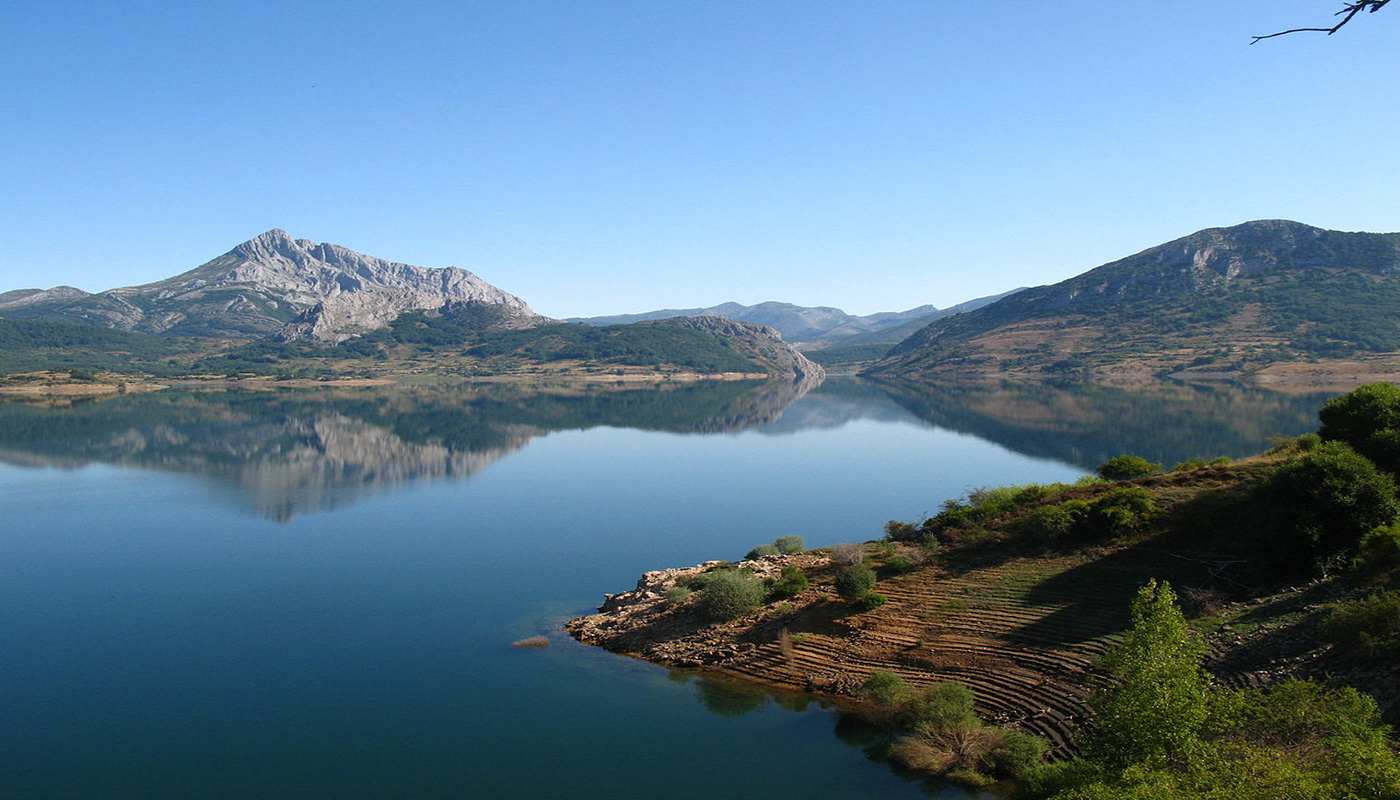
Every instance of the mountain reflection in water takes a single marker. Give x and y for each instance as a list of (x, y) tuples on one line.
[(290, 452)]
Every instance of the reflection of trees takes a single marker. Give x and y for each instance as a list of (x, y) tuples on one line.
[(1088, 423), (289, 451), (729, 699)]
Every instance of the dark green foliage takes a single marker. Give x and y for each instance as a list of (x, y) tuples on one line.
[(852, 354), (1190, 463), (28, 346), (678, 595), (1122, 468), (635, 345), (425, 333), (760, 551), (896, 531), (1118, 512), (791, 583), (883, 688), (789, 544), (1369, 626), (1049, 525), (871, 601), (727, 594), (986, 504), (1368, 419), (900, 564), (1324, 501), (1378, 555), (854, 581)]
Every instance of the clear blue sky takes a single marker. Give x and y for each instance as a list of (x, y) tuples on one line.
[(608, 157)]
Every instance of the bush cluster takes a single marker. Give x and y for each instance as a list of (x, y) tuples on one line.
[(1368, 626), (937, 731), (1119, 512)]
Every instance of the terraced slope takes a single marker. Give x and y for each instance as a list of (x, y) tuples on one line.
[(1023, 635)]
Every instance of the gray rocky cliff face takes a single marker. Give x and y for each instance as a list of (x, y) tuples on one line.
[(295, 289)]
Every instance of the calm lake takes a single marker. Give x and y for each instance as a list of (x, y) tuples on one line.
[(313, 594)]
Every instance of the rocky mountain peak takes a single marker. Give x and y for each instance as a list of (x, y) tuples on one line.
[(277, 285)]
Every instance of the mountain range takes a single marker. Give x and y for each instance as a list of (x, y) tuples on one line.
[(276, 303), (811, 327), (1219, 302), (1222, 302)]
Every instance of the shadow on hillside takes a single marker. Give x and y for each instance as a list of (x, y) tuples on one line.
[(1094, 599)]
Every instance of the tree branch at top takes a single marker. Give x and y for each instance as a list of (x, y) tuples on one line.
[(1348, 11)]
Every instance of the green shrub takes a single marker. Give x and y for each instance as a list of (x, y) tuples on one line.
[(1118, 512), (1308, 441), (1050, 525), (1378, 554), (761, 550), (1018, 752), (854, 581), (677, 595), (896, 531), (1369, 626), (792, 583), (872, 600), (1354, 416), (730, 594), (900, 564), (1122, 468), (884, 688), (789, 544), (939, 707), (1325, 500), (1190, 463)]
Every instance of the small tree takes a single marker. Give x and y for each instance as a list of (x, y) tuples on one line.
[(789, 544), (854, 581), (729, 594), (1155, 712)]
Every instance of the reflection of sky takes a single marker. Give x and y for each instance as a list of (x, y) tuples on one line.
[(160, 637)]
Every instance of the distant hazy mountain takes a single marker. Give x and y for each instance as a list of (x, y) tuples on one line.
[(275, 285), (1223, 300), (807, 325)]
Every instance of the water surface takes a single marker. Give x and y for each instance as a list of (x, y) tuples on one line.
[(313, 594)]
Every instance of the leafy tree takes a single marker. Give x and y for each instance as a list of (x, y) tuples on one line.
[(1155, 712), (1327, 499), (1368, 419), (789, 544)]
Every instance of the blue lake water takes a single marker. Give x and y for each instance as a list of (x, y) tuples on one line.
[(314, 594)]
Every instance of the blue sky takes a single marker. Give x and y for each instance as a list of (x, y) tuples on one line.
[(610, 157)]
